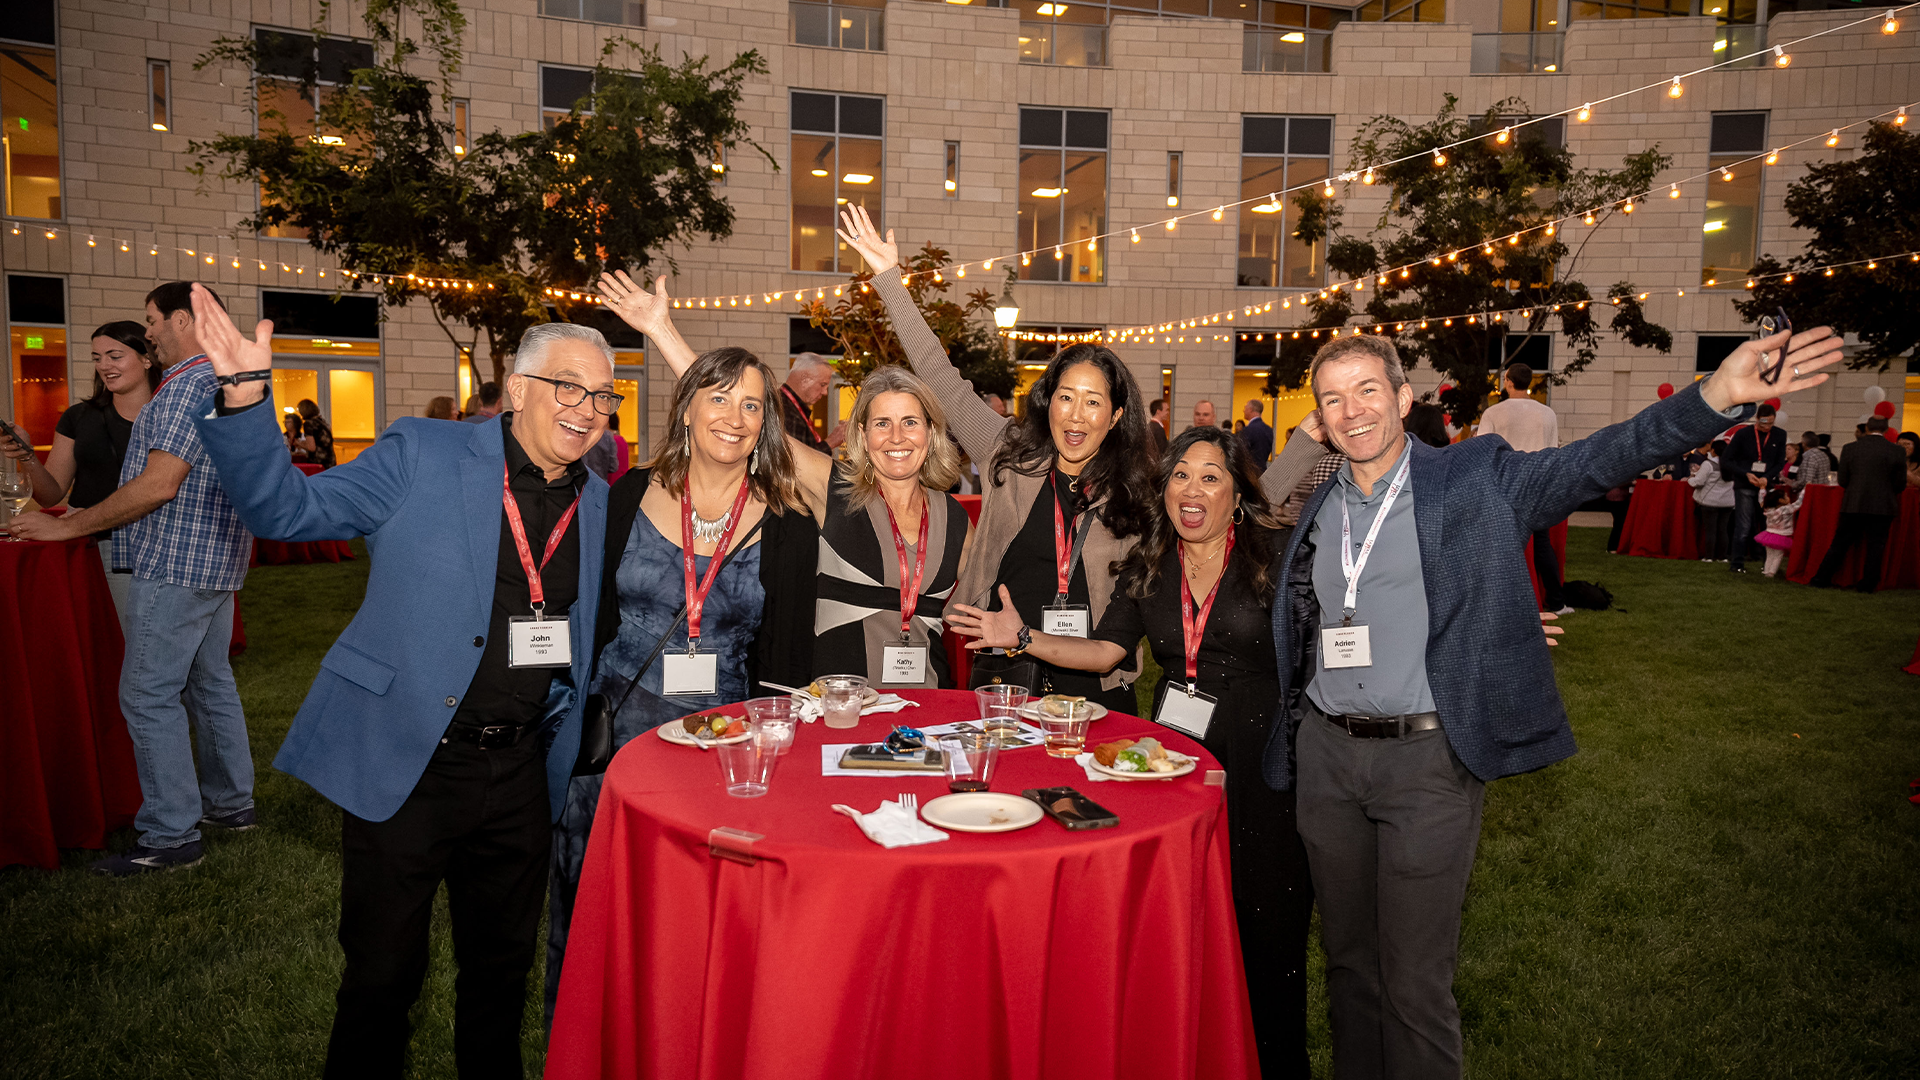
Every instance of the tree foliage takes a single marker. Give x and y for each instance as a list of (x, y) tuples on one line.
[(377, 184), (1862, 209), (1484, 216), (857, 321)]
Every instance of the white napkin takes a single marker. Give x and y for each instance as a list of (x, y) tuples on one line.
[(811, 709), (1086, 762), (891, 826)]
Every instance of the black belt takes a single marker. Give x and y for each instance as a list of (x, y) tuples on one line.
[(1384, 727), (491, 737)]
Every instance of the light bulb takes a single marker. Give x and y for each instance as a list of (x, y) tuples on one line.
[(90, 244), (1172, 223), (1674, 193), (1328, 190), (1900, 118), (1486, 249), (1439, 158), (1585, 114), (1514, 239), (1674, 91), (1891, 26), (1505, 134), (1627, 207), (1589, 217), (1774, 157), (1549, 230), (1727, 175), (1026, 259), (1780, 57), (1136, 236), (1368, 178), (1833, 137), (1057, 256), (1218, 212)]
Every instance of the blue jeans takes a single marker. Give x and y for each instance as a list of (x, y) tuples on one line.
[(176, 661)]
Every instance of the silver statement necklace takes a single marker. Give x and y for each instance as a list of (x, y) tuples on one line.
[(709, 532)]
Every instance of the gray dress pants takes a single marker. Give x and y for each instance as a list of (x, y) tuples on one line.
[(1390, 827)]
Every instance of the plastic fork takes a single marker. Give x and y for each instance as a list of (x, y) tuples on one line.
[(910, 803)]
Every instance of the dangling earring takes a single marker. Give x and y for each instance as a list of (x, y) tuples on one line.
[(753, 463), (1239, 514), (687, 432)]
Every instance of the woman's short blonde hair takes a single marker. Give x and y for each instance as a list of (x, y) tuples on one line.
[(942, 465)]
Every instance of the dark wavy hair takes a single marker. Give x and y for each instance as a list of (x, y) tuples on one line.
[(773, 482), (134, 336), (1138, 574), (1120, 471)]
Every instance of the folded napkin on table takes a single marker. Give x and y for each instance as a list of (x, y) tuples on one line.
[(1086, 762), (892, 826), (810, 708)]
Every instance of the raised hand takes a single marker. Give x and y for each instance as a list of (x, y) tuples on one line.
[(229, 350), (1314, 426), (1738, 381), (651, 313), (858, 230), (991, 629)]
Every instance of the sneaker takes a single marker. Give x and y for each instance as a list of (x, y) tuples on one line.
[(142, 860), (1567, 610), (1738, 569), (237, 821)]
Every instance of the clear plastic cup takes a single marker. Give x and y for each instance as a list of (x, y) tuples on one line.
[(970, 759), (777, 716), (1000, 707), (747, 766), (1064, 724), (840, 699)]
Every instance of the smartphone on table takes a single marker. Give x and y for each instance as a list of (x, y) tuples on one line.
[(1072, 809)]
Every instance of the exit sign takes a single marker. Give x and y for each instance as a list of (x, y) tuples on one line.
[(35, 342)]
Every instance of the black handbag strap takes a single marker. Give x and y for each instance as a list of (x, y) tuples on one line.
[(678, 616)]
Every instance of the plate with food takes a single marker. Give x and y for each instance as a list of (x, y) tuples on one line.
[(1140, 759), (868, 695), (1058, 705), (981, 811), (705, 729)]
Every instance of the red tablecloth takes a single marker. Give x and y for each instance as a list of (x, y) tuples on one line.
[(1035, 954), (970, 503), (1914, 668), (66, 763), (1813, 533), (1660, 521), (276, 553), (1558, 534)]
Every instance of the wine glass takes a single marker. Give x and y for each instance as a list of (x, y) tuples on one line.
[(15, 490)]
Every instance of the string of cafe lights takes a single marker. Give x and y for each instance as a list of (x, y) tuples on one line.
[(1196, 335), (1167, 332), (1780, 54)]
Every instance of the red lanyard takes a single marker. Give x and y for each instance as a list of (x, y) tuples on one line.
[(180, 370), (1194, 626), (910, 588), (806, 415), (1759, 447), (536, 589), (1062, 551), (697, 594)]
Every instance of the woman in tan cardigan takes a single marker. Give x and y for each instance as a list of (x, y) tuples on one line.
[(1069, 486)]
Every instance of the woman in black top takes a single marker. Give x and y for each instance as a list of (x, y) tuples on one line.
[(90, 440), (316, 438), (1216, 531)]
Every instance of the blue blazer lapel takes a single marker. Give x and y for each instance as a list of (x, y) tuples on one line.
[(480, 476)]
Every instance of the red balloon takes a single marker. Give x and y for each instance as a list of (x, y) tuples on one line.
[(1773, 403), (1892, 435), (1445, 386), (1665, 391), (1885, 409)]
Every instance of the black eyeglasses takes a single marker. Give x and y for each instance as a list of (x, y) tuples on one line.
[(605, 402)]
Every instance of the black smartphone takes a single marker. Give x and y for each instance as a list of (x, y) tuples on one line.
[(1072, 809), (1771, 325), (884, 758)]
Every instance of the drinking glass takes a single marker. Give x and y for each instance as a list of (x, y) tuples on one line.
[(776, 716), (15, 490), (970, 758), (1000, 707), (840, 699), (747, 766), (1066, 729)]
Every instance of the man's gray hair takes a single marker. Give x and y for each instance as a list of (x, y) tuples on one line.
[(807, 361), (532, 353), (1361, 345), (1256, 406)]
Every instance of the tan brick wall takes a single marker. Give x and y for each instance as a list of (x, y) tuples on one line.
[(952, 73)]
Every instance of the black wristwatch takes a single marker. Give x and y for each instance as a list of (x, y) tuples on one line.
[(1025, 638), (244, 377)]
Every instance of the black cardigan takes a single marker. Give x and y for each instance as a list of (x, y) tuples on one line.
[(789, 553)]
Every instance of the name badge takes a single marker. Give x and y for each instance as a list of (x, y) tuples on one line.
[(1189, 713), (681, 673), (902, 665), (1345, 647), (538, 643), (1066, 620), (1758, 466)]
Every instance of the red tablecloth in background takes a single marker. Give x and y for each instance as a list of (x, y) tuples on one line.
[(958, 658), (1558, 534), (276, 553), (1659, 521), (66, 763), (1035, 954), (1914, 668), (1813, 532), (970, 503)]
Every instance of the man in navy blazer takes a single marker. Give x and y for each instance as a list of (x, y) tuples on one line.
[(1413, 669), (445, 720)]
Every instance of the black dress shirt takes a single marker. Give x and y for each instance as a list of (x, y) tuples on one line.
[(508, 695), (797, 422), (1030, 568)]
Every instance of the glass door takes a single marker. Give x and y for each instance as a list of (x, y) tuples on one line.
[(344, 383)]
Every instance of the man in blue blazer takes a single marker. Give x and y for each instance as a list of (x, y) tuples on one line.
[(446, 720), (1413, 669)]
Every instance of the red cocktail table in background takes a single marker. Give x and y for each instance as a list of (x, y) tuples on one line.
[(1813, 530), (1659, 521), (279, 553), (1041, 954), (66, 764)]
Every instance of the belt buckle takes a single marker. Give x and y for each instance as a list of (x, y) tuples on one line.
[(496, 736)]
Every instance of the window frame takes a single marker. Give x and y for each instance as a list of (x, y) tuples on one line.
[(1065, 146), (953, 169), (542, 12), (460, 119), (59, 132), (1287, 157), (1721, 156), (159, 95), (320, 83), (844, 261)]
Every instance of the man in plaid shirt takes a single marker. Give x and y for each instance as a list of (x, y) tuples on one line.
[(189, 555)]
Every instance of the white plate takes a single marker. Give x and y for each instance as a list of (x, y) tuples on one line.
[(1178, 771), (674, 732), (1031, 711), (981, 811)]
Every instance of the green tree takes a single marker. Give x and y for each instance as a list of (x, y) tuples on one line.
[(857, 321), (495, 239), (1486, 216), (1856, 211)]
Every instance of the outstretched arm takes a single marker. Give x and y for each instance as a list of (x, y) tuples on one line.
[(1296, 460), (1001, 629), (976, 426), (651, 313)]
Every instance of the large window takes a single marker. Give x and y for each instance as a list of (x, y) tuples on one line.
[(1402, 11), (37, 345), (843, 24), (1731, 228), (1277, 153), (327, 351), (1528, 42), (30, 111), (616, 12), (560, 90), (1063, 194), (1628, 9), (1287, 37), (296, 73), (836, 161)]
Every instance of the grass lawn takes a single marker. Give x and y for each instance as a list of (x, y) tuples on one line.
[(1722, 882)]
